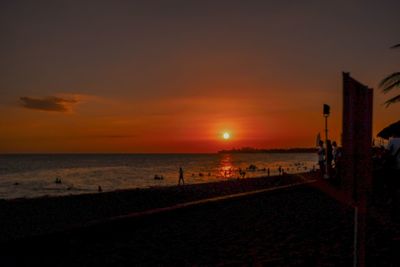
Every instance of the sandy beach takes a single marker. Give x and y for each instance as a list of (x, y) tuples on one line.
[(294, 226), (27, 217)]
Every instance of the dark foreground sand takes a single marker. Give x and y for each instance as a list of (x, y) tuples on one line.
[(298, 226), (25, 217)]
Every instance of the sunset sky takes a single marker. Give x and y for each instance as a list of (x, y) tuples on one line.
[(173, 76)]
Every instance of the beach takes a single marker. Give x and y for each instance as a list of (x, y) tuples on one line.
[(275, 221), (27, 217)]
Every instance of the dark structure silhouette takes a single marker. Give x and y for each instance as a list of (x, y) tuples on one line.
[(357, 152)]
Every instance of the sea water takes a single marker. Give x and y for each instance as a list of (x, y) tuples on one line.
[(34, 175)]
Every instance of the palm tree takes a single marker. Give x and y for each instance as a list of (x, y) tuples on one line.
[(390, 82)]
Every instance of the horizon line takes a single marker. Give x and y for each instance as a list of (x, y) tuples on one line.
[(149, 153)]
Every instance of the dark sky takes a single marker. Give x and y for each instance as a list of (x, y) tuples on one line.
[(162, 76)]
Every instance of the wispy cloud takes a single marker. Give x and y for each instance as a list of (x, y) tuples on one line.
[(113, 136), (51, 103), (101, 136)]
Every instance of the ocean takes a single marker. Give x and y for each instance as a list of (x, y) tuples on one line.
[(34, 175)]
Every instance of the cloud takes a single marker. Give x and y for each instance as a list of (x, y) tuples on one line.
[(112, 136), (51, 103)]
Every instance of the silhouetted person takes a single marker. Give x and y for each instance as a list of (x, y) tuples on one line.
[(100, 189), (158, 177), (321, 152), (241, 173), (329, 153), (181, 176), (334, 152), (268, 172), (338, 160)]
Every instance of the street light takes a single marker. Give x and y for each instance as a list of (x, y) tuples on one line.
[(326, 111)]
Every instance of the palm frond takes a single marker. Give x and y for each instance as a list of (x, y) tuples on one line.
[(389, 86), (389, 82), (392, 100)]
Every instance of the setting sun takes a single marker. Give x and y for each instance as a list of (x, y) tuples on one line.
[(226, 136)]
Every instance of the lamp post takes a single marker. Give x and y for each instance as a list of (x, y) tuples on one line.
[(326, 111)]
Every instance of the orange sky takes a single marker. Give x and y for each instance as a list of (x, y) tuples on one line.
[(141, 78)]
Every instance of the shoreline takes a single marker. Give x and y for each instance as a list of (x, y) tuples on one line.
[(38, 176), (155, 187), (24, 217)]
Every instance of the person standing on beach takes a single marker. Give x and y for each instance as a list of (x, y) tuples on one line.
[(181, 176), (334, 152), (329, 155), (321, 153)]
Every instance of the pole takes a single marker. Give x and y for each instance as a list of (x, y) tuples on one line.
[(355, 245), (326, 175), (326, 127)]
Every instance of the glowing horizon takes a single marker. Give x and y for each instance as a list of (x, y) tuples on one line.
[(142, 78)]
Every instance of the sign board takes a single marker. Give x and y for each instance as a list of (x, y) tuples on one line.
[(356, 137)]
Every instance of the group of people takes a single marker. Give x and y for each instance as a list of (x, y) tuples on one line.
[(388, 158), (241, 172), (328, 158)]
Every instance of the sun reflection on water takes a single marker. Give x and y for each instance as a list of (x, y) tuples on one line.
[(226, 168)]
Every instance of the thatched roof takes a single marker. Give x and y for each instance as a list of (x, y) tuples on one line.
[(391, 130)]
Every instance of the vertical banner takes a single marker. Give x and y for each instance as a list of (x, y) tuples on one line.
[(356, 137), (357, 154)]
